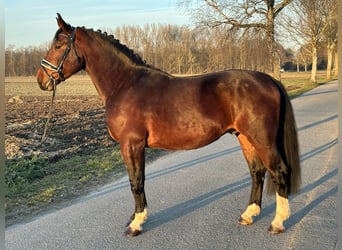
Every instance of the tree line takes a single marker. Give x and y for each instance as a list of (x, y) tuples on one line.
[(223, 41), (23, 61), (175, 49), (306, 23)]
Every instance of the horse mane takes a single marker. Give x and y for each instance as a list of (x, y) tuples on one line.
[(134, 57)]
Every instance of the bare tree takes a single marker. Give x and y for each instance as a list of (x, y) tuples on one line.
[(175, 49), (238, 14), (306, 23), (303, 56), (330, 35), (9, 61)]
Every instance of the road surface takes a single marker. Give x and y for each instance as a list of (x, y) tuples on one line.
[(196, 197)]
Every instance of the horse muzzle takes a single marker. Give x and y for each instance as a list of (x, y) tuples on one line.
[(47, 81), (49, 84)]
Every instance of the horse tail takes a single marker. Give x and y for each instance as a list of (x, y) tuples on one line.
[(287, 141)]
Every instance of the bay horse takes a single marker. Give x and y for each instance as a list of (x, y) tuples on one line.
[(146, 107)]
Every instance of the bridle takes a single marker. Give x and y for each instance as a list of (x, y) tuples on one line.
[(57, 71)]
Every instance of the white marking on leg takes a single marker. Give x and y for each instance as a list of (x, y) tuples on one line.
[(139, 219), (282, 212), (252, 210)]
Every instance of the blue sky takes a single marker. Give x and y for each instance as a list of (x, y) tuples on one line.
[(33, 22)]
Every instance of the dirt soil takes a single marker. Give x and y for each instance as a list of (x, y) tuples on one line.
[(77, 125)]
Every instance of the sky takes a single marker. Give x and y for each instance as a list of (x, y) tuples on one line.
[(33, 22)]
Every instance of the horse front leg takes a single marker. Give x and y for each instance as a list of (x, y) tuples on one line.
[(134, 158)]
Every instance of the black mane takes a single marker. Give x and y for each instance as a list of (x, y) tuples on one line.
[(121, 47)]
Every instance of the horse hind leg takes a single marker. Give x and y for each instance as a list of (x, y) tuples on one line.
[(257, 171), (278, 182), (282, 214), (259, 161), (280, 179)]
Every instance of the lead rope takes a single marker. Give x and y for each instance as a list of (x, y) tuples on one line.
[(44, 137)]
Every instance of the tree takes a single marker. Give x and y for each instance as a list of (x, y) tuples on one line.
[(303, 56), (305, 23), (174, 49), (184, 50), (236, 15), (330, 35), (25, 60), (9, 61)]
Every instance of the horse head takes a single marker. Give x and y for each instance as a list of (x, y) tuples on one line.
[(62, 59)]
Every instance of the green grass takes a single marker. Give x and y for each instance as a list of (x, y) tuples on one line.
[(299, 83)]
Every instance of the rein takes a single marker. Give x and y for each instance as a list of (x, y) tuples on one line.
[(44, 137)]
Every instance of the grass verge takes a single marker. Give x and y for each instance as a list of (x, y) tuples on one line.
[(299, 83)]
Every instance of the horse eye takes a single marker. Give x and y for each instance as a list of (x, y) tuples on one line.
[(58, 46)]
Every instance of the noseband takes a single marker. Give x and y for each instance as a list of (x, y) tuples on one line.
[(56, 71)]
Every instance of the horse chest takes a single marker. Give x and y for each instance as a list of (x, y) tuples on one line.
[(121, 122)]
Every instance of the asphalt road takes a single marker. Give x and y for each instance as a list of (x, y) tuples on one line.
[(196, 197)]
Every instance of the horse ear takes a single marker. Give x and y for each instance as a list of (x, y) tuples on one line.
[(62, 24)]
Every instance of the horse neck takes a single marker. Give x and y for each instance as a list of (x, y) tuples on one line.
[(109, 69)]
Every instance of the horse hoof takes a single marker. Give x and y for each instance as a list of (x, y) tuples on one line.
[(244, 222), (131, 233), (274, 230)]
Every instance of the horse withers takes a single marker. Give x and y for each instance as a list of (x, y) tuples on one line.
[(146, 107)]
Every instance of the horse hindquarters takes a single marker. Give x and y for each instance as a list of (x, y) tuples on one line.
[(278, 153)]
